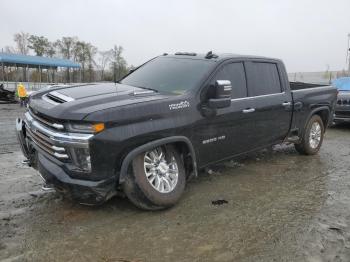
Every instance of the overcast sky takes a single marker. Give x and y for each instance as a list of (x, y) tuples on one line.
[(307, 35)]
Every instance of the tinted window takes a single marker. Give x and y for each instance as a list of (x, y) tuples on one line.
[(263, 79), (235, 73), (169, 74)]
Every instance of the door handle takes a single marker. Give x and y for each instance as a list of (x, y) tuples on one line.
[(287, 104), (248, 110)]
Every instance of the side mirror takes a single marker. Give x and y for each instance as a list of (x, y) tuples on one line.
[(222, 94)]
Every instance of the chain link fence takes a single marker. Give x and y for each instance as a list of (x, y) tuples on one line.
[(317, 77)]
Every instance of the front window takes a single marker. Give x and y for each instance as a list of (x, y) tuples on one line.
[(169, 74)]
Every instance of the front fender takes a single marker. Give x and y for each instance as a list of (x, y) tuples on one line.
[(168, 140)]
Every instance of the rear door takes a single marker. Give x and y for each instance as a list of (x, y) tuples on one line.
[(272, 115)]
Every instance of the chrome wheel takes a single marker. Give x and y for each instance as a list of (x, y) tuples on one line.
[(315, 135), (161, 173)]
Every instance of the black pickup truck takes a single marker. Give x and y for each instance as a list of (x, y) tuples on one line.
[(175, 114)]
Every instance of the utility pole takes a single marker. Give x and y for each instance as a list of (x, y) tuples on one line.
[(348, 54)]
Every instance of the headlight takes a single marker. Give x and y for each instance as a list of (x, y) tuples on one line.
[(81, 158), (85, 128)]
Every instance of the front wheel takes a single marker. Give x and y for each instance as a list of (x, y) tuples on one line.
[(157, 179), (312, 138)]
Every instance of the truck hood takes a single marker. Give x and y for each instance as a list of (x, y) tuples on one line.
[(75, 103)]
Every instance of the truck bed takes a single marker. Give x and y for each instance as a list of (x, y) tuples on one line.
[(306, 97), (302, 85)]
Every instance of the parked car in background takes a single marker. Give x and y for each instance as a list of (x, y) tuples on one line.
[(342, 109), (175, 114), (7, 95)]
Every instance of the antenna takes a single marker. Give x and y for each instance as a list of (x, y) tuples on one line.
[(210, 55)]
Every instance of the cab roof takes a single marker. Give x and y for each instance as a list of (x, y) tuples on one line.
[(217, 57)]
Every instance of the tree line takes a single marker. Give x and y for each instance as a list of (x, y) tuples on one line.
[(96, 65)]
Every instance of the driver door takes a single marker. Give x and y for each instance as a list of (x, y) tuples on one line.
[(231, 130)]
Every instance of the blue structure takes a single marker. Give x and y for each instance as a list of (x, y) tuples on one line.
[(342, 84), (35, 61), (26, 62)]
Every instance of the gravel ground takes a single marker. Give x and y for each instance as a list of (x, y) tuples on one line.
[(274, 205)]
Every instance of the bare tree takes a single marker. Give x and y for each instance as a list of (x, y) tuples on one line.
[(9, 49), (50, 49), (80, 56), (84, 53), (79, 51), (39, 44), (66, 46), (104, 59), (118, 63), (91, 51), (21, 40)]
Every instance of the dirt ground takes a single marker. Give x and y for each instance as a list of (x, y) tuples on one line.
[(279, 206)]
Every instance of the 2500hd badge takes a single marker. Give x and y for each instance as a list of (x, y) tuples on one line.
[(182, 104)]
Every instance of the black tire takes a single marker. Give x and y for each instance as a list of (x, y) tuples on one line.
[(140, 191), (304, 147)]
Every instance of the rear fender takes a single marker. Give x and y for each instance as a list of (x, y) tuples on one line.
[(314, 112)]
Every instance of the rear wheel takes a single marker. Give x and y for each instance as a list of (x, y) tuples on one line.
[(312, 137), (157, 179)]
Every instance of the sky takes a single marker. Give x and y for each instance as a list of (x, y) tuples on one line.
[(307, 35)]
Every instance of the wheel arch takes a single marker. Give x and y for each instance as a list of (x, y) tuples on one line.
[(323, 112), (182, 143), (325, 116)]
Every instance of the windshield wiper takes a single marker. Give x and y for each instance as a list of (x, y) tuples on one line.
[(148, 88)]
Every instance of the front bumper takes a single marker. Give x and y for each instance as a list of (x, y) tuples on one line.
[(341, 119), (342, 114), (342, 108), (84, 191)]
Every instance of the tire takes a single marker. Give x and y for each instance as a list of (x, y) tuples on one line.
[(146, 194), (311, 142)]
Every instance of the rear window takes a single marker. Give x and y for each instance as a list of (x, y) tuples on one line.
[(263, 79), (167, 74)]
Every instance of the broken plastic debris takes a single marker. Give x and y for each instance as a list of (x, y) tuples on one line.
[(219, 202)]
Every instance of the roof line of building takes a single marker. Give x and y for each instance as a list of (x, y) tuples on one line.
[(35, 61)]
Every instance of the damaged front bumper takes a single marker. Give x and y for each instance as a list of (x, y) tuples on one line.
[(54, 171), (84, 191)]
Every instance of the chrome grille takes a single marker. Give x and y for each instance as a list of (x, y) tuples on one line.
[(41, 138), (54, 142), (45, 121), (343, 101), (45, 144)]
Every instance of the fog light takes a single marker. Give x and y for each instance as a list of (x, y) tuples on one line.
[(81, 158)]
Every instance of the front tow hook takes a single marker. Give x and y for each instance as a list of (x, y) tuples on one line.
[(26, 162), (47, 187)]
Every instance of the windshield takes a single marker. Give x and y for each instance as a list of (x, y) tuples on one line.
[(167, 74)]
